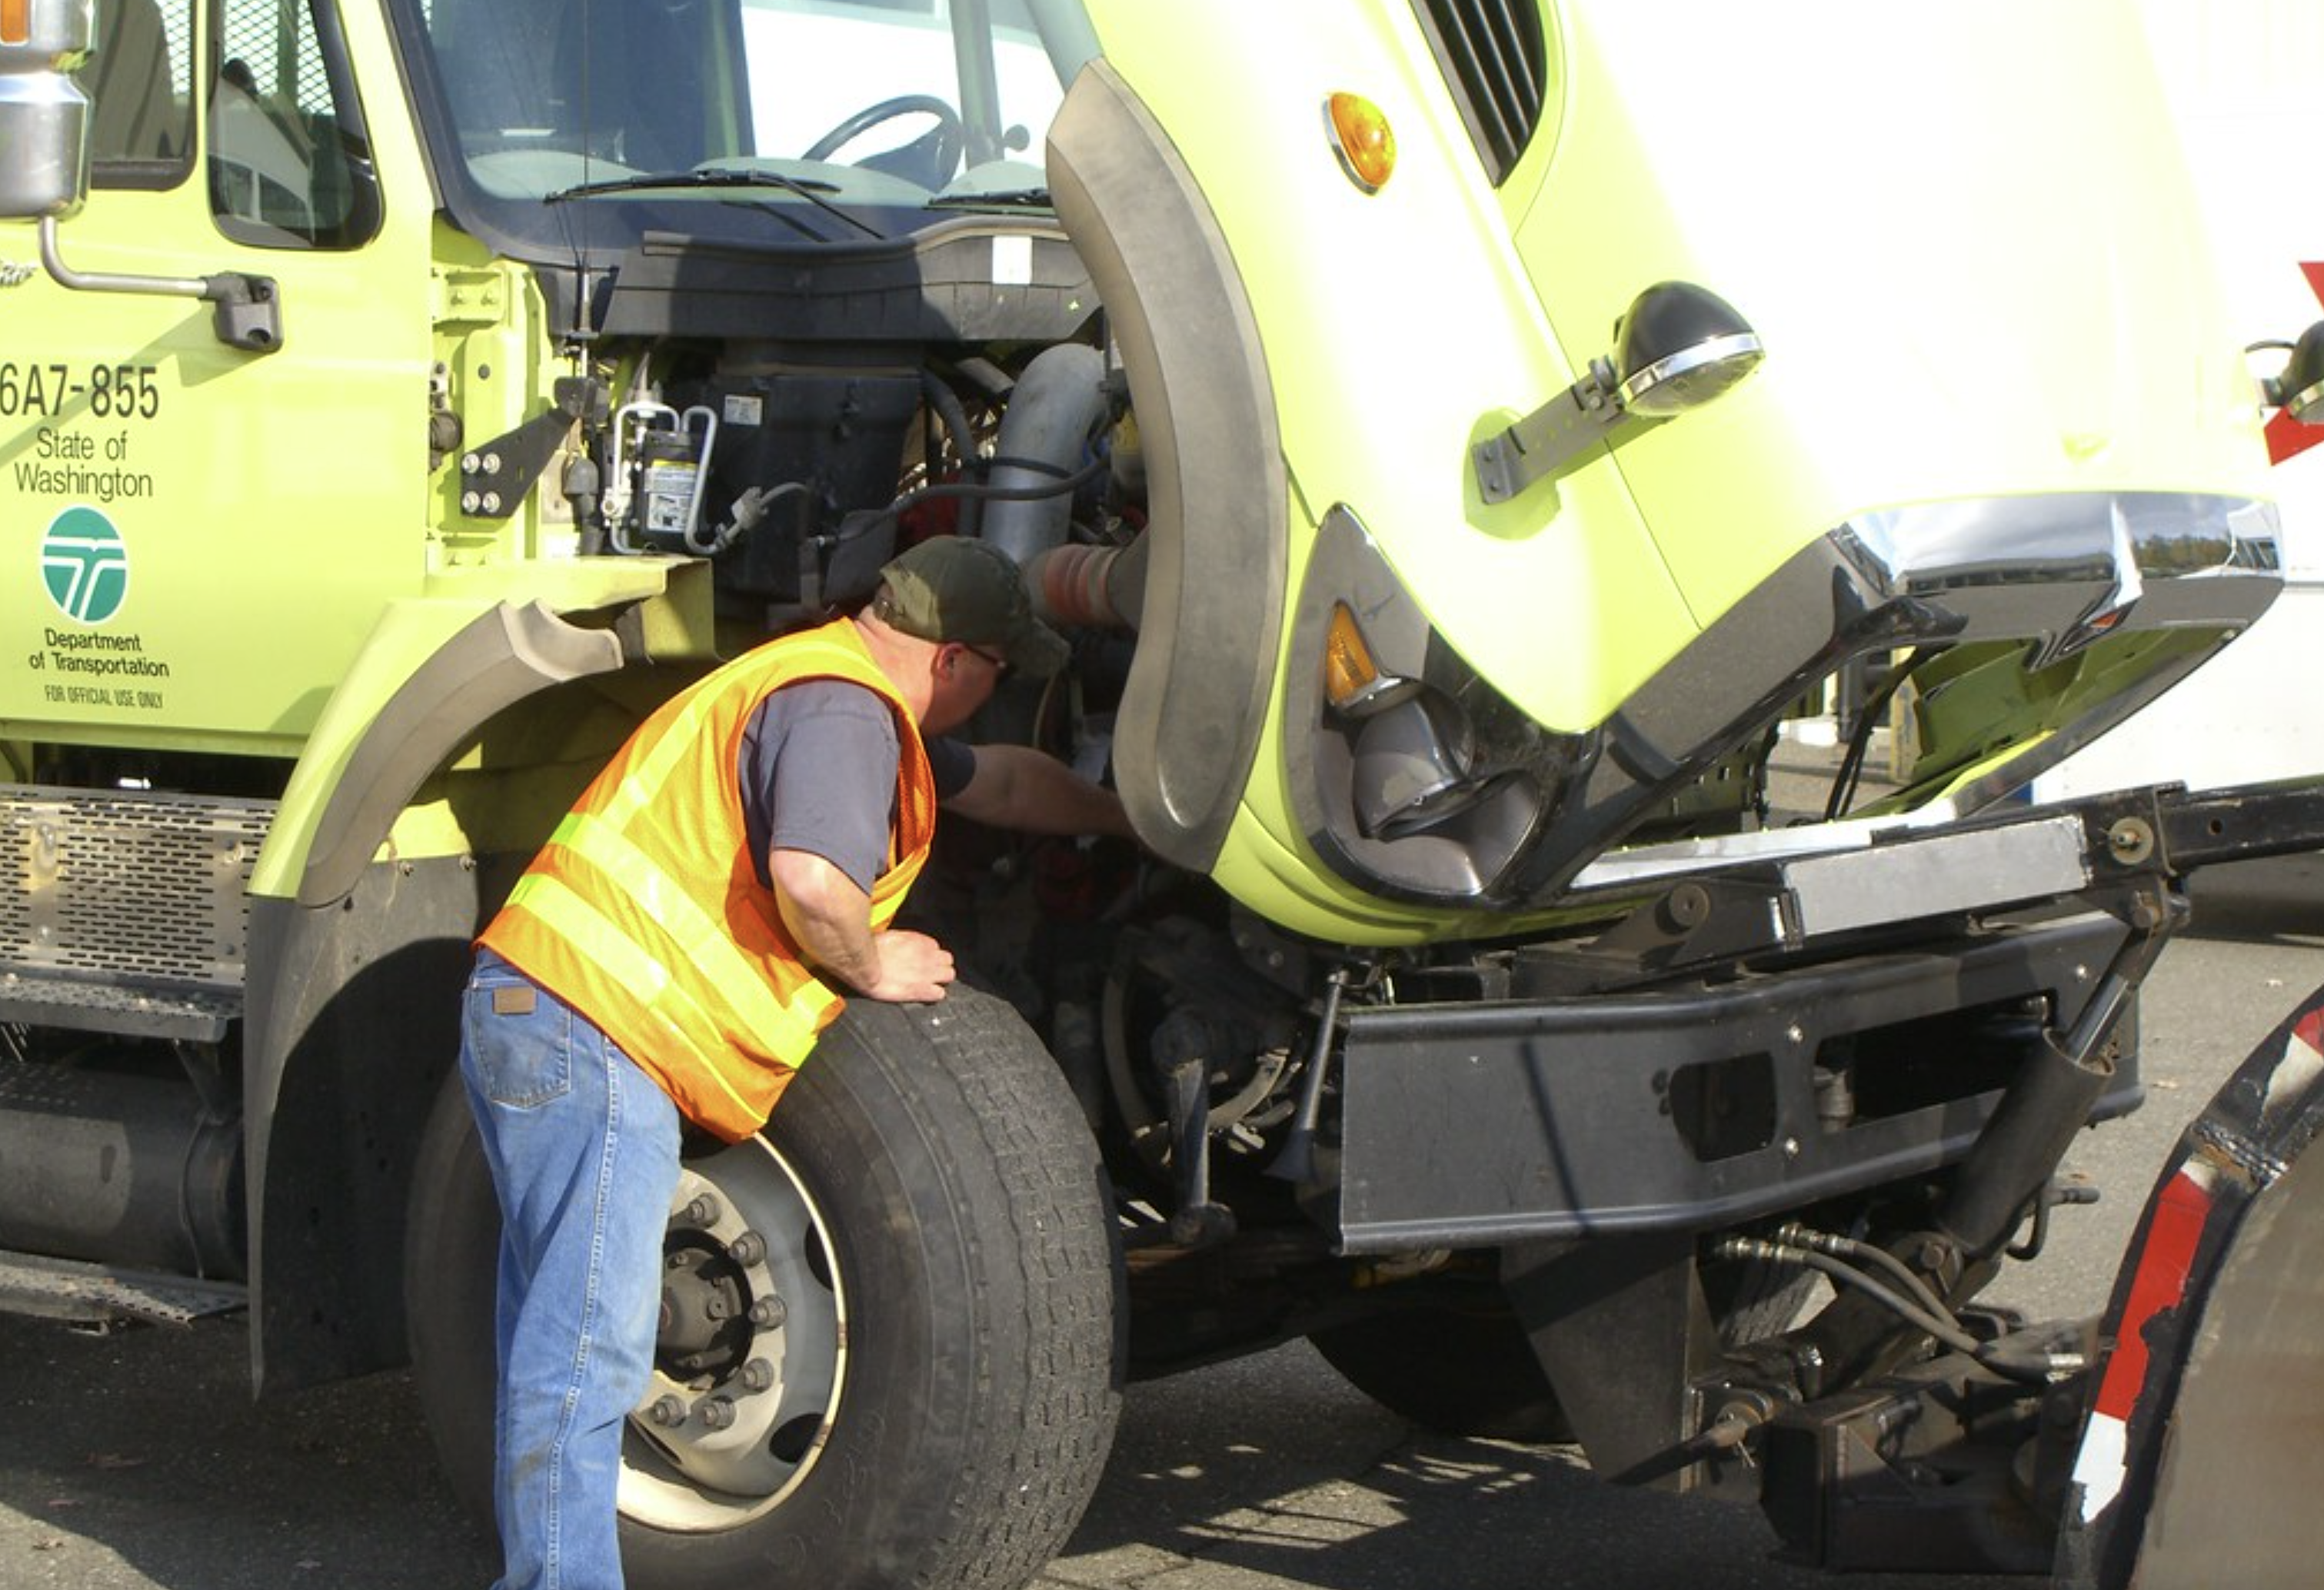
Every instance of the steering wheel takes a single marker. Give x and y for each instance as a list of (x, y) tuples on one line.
[(950, 136)]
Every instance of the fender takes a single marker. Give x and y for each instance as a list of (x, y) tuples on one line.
[(355, 963), (1211, 624)]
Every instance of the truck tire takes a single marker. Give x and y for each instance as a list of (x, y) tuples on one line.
[(1471, 1372), (946, 1376)]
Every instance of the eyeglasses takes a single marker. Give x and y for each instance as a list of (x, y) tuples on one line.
[(1001, 666)]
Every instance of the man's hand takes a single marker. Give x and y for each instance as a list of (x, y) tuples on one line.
[(830, 916), (912, 967)]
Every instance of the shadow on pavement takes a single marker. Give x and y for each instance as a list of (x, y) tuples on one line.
[(1270, 1474), (2276, 900), (138, 1459)]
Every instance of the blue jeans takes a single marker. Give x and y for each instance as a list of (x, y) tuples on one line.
[(584, 1148)]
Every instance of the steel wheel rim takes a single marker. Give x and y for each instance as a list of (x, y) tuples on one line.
[(691, 1475)]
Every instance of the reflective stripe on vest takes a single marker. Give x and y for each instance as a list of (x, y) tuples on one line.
[(557, 907), (644, 912), (702, 940)]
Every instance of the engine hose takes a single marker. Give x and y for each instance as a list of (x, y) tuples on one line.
[(2005, 1357), (750, 511), (979, 492), (1091, 587), (1059, 485), (1059, 401), (953, 415)]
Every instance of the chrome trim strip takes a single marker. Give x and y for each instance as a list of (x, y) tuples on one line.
[(1974, 554)]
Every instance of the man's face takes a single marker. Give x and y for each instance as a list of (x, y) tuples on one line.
[(966, 678)]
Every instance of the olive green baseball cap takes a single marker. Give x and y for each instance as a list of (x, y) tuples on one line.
[(954, 588)]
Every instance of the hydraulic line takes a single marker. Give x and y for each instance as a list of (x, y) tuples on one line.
[(1792, 1233), (1940, 1327), (1937, 1321)]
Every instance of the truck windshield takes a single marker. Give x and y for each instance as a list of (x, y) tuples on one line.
[(549, 121)]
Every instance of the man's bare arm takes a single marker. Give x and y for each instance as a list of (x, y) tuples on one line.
[(1016, 787), (830, 916)]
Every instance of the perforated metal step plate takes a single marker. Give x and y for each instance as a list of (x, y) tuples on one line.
[(60, 1288)]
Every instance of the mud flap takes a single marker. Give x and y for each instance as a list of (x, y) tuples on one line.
[(2205, 1440)]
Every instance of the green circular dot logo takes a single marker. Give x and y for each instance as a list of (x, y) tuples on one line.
[(85, 564)]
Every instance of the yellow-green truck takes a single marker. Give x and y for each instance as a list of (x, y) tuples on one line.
[(1458, 435)]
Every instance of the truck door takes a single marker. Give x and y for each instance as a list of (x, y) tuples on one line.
[(198, 536)]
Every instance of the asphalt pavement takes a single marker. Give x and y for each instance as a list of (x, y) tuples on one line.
[(137, 1460)]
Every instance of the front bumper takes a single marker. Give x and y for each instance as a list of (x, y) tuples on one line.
[(1478, 1126), (1775, 1027)]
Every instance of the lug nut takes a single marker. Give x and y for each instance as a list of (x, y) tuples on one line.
[(757, 1376), (704, 1210), (749, 1248), (667, 1412), (717, 1412), (770, 1313)]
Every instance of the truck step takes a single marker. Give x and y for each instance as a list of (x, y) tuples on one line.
[(62, 1289), (198, 1015), (126, 911)]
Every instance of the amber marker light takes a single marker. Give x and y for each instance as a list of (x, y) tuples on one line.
[(1362, 139), (1353, 680), (16, 21), (1348, 672)]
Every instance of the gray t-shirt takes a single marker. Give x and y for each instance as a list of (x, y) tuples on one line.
[(812, 753)]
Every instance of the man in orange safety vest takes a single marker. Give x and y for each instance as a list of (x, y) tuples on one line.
[(689, 928)]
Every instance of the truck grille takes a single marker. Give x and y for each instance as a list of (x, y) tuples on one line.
[(1497, 64), (127, 885)]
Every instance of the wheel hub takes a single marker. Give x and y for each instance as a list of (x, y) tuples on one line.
[(750, 1353), (704, 1326)]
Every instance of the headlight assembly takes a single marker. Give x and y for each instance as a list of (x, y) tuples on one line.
[(1413, 777)]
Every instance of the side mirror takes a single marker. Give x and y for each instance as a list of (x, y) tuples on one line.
[(43, 113), (2298, 388), (1678, 347)]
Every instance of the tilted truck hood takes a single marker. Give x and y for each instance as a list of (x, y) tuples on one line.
[(1999, 407), (1969, 240)]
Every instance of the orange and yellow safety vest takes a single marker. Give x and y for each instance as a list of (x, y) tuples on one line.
[(644, 911)]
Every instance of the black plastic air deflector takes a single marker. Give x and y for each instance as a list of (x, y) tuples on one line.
[(965, 280)]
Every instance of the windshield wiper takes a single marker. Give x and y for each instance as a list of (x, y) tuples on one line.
[(717, 176), (1006, 198), (810, 188)]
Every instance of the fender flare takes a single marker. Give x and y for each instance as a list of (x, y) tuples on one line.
[(504, 654), (1196, 706), (350, 1010)]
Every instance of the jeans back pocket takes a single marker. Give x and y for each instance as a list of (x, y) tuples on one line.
[(516, 1041)]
